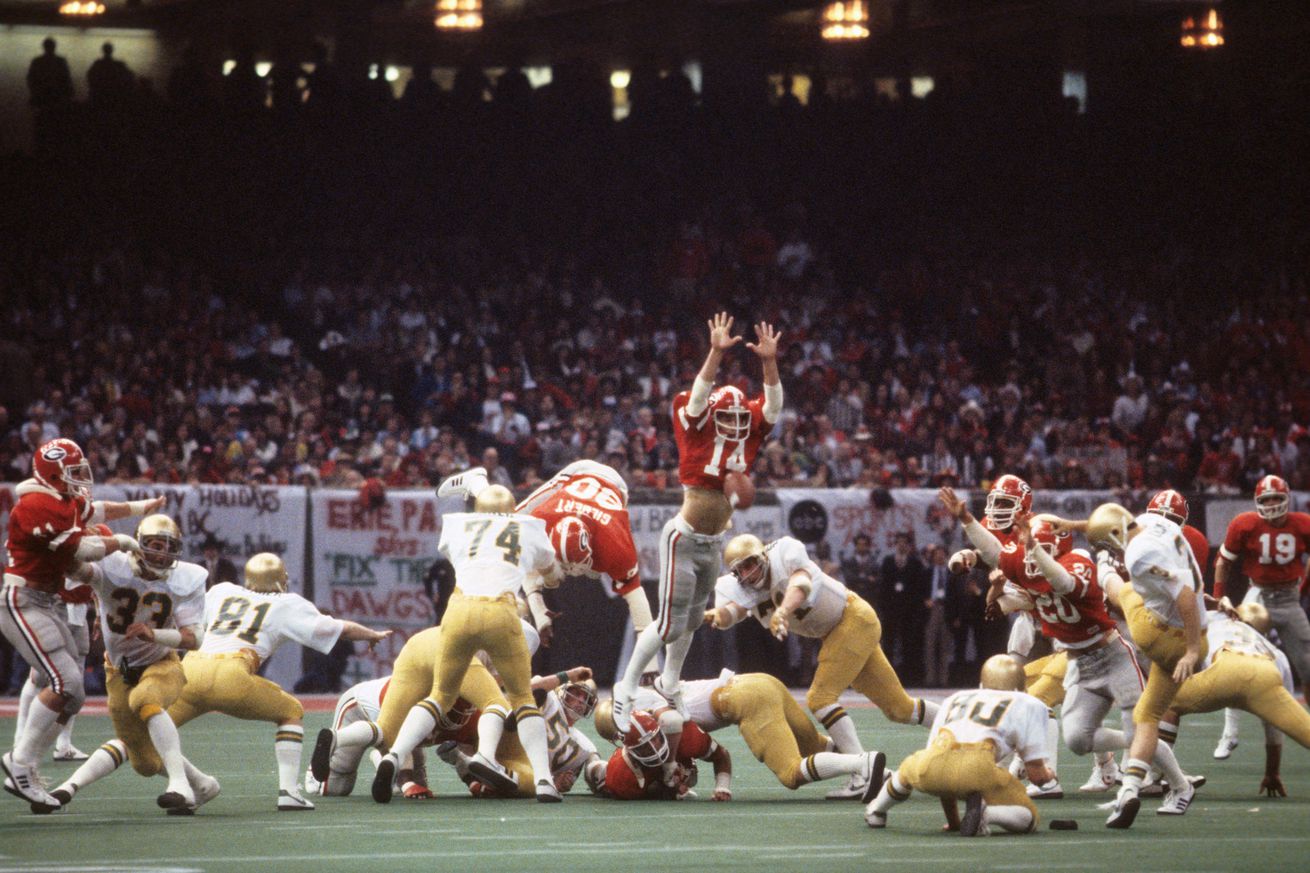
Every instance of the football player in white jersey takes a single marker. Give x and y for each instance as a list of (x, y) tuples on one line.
[(150, 606), (974, 730), (787, 592), (1165, 608), (494, 552), (358, 705)]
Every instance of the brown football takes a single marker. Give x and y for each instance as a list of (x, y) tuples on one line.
[(739, 489)]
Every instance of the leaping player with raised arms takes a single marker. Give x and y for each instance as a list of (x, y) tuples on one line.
[(718, 431)]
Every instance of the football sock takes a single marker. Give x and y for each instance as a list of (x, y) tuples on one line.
[(163, 734), (103, 761), (1053, 741), (1015, 819), (361, 733), (841, 728), (925, 711), (1168, 764), (39, 732), (286, 747), (826, 765), (893, 791), (644, 649), (1134, 771), (25, 698), (532, 735), (420, 721), (65, 738), (491, 727), (1107, 741), (1232, 718), (675, 654)]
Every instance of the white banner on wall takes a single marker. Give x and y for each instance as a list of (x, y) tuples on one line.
[(243, 519)]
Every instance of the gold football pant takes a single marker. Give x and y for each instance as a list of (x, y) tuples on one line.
[(1044, 678), (1163, 644), (952, 770), (776, 729), (227, 683), (414, 677), (851, 657), (490, 624), (130, 708), (1249, 682)]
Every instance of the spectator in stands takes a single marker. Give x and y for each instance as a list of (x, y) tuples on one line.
[(902, 590)]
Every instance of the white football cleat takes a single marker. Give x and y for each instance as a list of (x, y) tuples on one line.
[(853, 789), (25, 782), (1124, 810), (622, 710), (875, 819), (1103, 778), (292, 801), (470, 483), (1227, 745), (1176, 802), (1046, 791), (70, 753), (312, 785), (873, 773), (974, 821), (178, 800), (492, 774), (672, 695), (547, 792)]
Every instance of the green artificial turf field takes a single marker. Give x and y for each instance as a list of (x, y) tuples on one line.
[(115, 826)]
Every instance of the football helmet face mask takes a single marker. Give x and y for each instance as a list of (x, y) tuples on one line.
[(1272, 498), (1108, 527), (1044, 538), (265, 572), (732, 420), (578, 699), (1171, 505), (645, 742), (1009, 496), (1001, 673), (60, 465), (458, 716), (572, 542), (746, 559), (161, 545)]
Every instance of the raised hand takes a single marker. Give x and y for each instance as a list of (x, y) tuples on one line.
[(766, 345), (721, 338), (954, 505)]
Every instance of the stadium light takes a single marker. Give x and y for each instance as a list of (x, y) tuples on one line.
[(1204, 33), (459, 15), (846, 21), (90, 7)]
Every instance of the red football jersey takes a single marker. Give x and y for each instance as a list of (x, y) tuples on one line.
[(1079, 617), (625, 779), (1006, 536), (1269, 555), (44, 532), (704, 456), (602, 509), (1200, 545), (1011, 564)]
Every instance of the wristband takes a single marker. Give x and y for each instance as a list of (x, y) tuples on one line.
[(137, 507), (723, 781), (168, 636), (563, 677)]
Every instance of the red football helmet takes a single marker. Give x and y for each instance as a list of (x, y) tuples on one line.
[(60, 464), (732, 420), (1171, 505), (1046, 539), (1009, 496), (572, 542), (458, 716), (645, 741), (1272, 498)]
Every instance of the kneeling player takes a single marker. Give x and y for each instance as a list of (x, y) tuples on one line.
[(972, 731)]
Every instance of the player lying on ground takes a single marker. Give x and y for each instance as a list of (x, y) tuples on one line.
[(656, 758)]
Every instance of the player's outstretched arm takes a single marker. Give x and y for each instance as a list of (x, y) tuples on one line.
[(766, 346), (355, 632), (983, 540), (721, 339), (109, 510)]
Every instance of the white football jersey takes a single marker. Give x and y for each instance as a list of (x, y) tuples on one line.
[(570, 748), (126, 598), (817, 615), (1224, 633), (493, 553), (237, 618), (366, 697), (695, 696), (1161, 565), (1012, 720)]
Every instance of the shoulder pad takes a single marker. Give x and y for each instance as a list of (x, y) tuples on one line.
[(187, 578)]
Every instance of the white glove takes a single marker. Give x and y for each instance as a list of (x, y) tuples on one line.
[(127, 544)]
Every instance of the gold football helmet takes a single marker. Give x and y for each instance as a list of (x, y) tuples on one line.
[(494, 498), (604, 718), (161, 544), (578, 699), (1108, 527), (746, 560), (265, 572), (1256, 616), (1002, 673)]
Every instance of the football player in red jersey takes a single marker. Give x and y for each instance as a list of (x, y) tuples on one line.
[(48, 536), (1269, 546), (1173, 506), (1103, 669), (656, 758), (718, 430)]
